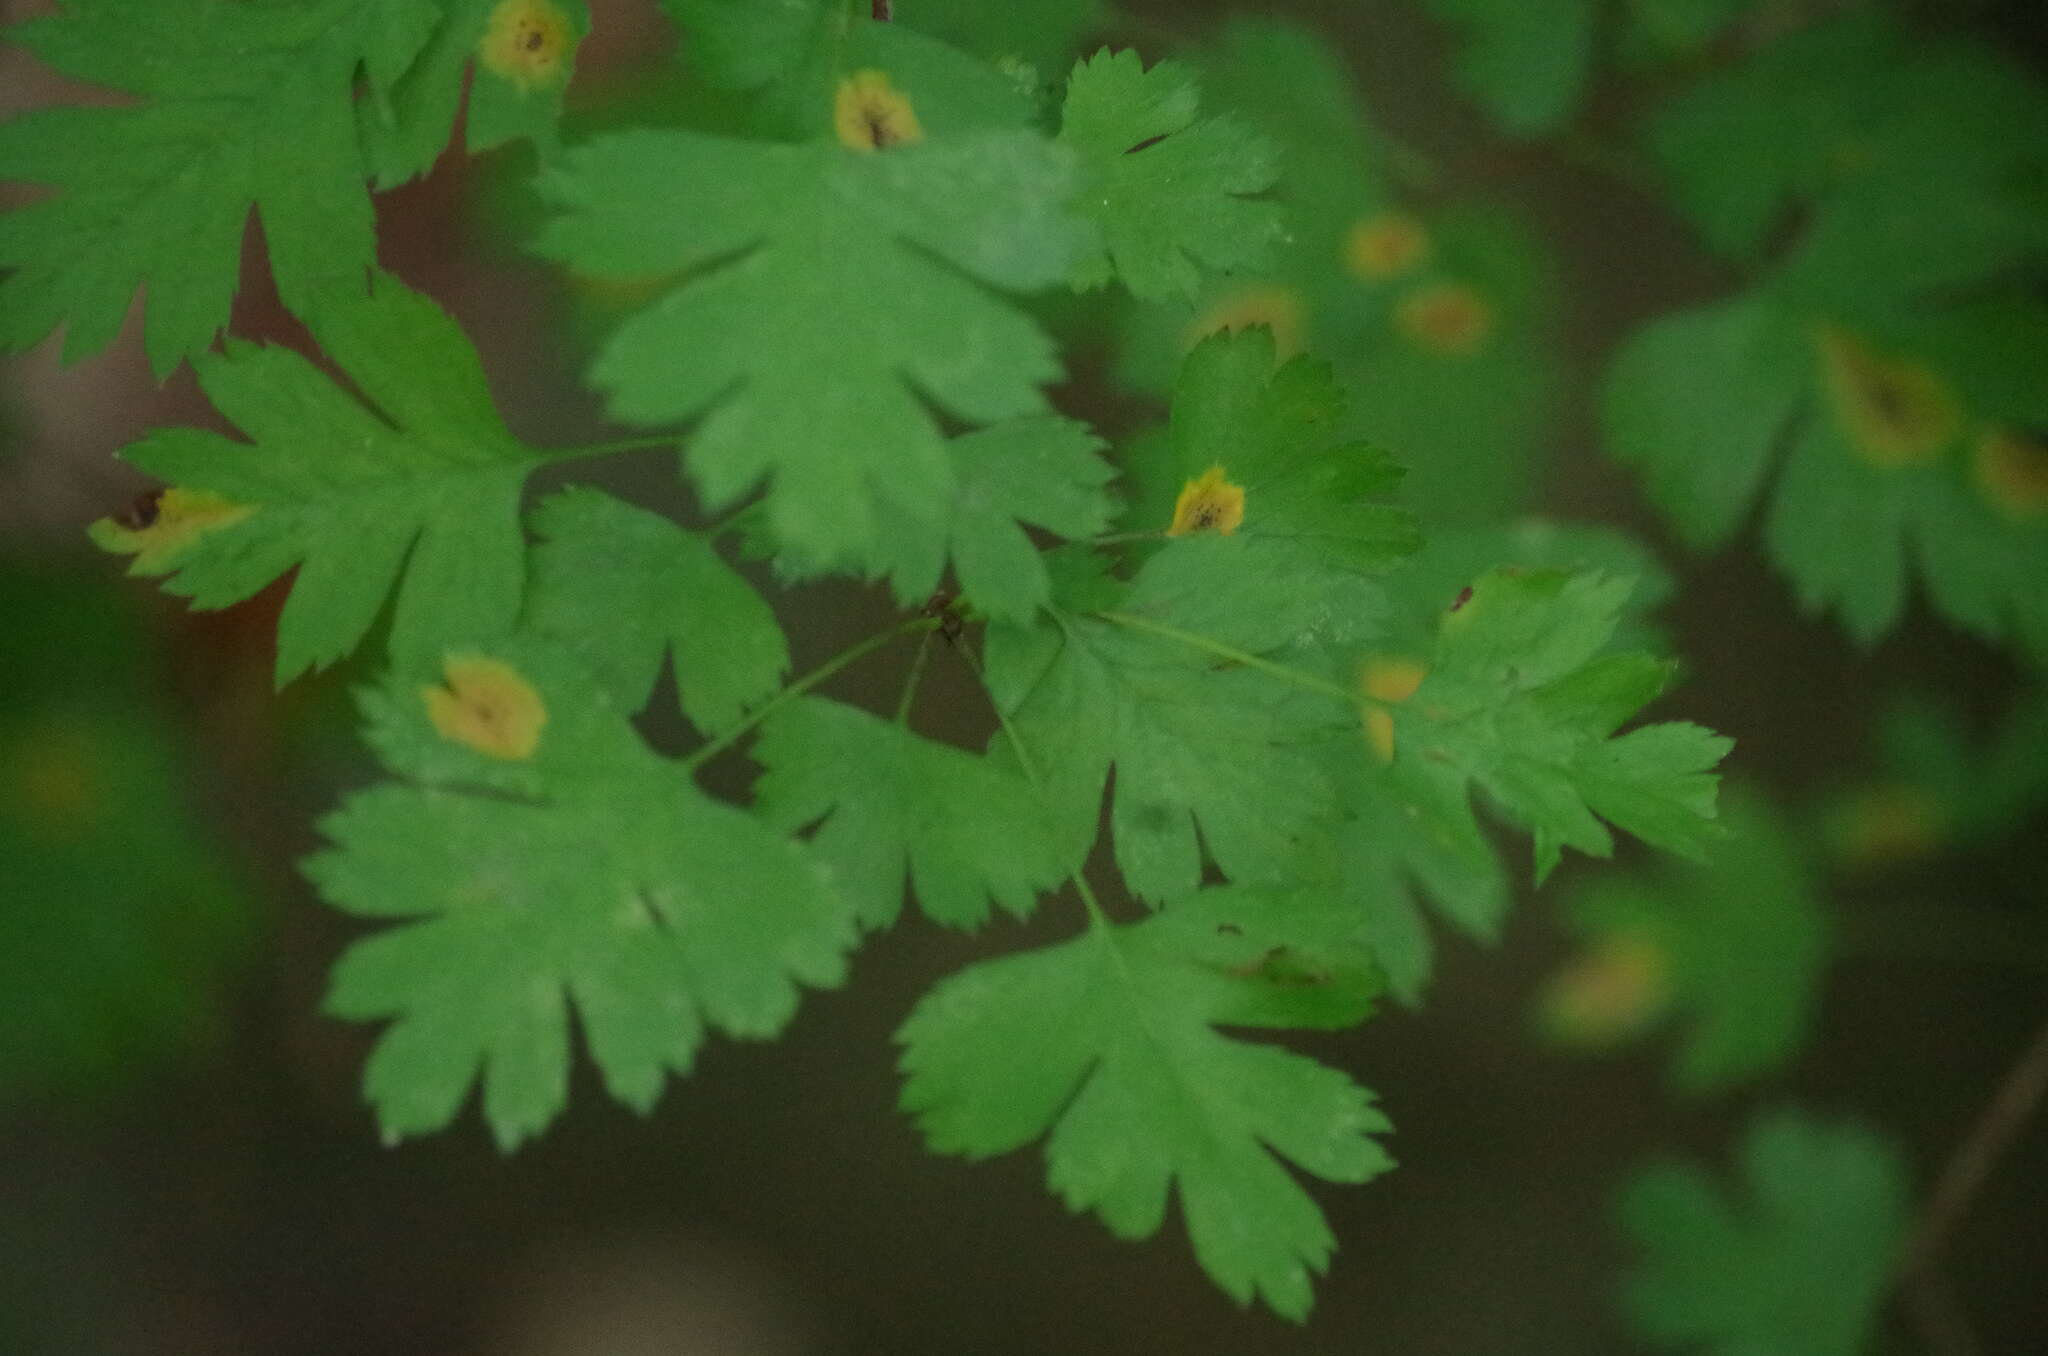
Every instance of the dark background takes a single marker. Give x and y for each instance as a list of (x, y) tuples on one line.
[(234, 1198)]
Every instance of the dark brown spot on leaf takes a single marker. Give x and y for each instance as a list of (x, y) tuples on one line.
[(141, 513)]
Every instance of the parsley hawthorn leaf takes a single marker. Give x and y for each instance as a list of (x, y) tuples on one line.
[(793, 55), (546, 857), (1387, 868), (1528, 64), (1738, 943), (1311, 504), (807, 374), (623, 587), (1872, 123), (1519, 699), (1668, 407), (1169, 192), (966, 830), (1041, 470), (1194, 743), (1909, 446), (1108, 1043), (523, 52), (1797, 1263), (419, 487), (241, 106)]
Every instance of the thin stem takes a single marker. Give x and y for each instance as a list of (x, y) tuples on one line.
[(917, 663), (1098, 917), (1208, 645), (1963, 1176), (1929, 1297), (802, 685)]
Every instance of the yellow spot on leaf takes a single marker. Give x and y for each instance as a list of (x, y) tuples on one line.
[(1450, 320), (870, 114), (1385, 246), (488, 706), (1384, 682), (1278, 308), (158, 528), (1208, 503), (1887, 824), (1617, 988), (1896, 412), (527, 42), (50, 779), (2012, 471)]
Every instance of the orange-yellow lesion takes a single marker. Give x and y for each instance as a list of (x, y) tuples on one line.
[(1208, 503), (2011, 470), (161, 525), (1386, 682), (1888, 824), (1896, 412), (1617, 988), (1279, 309), (528, 42), (51, 779), (1385, 246), (1449, 319), (488, 705), (871, 114)]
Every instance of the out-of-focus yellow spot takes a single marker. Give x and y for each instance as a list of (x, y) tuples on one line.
[(870, 114), (1278, 308), (1387, 682), (1887, 824), (50, 779), (1450, 320), (488, 706), (527, 42), (1618, 987), (1385, 246), (158, 527), (1896, 412), (2012, 471), (1208, 503)]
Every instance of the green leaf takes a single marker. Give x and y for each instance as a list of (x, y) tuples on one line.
[(1170, 192), (240, 106), (1387, 869), (1149, 678), (1041, 470), (523, 55), (545, 857), (1520, 700), (1737, 944), (1310, 501), (1527, 63), (1108, 1043), (1795, 1264), (1698, 399), (423, 482), (1908, 450), (1194, 743), (1045, 36), (243, 106), (890, 801), (808, 374), (791, 56), (623, 588), (1902, 137), (127, 918)]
